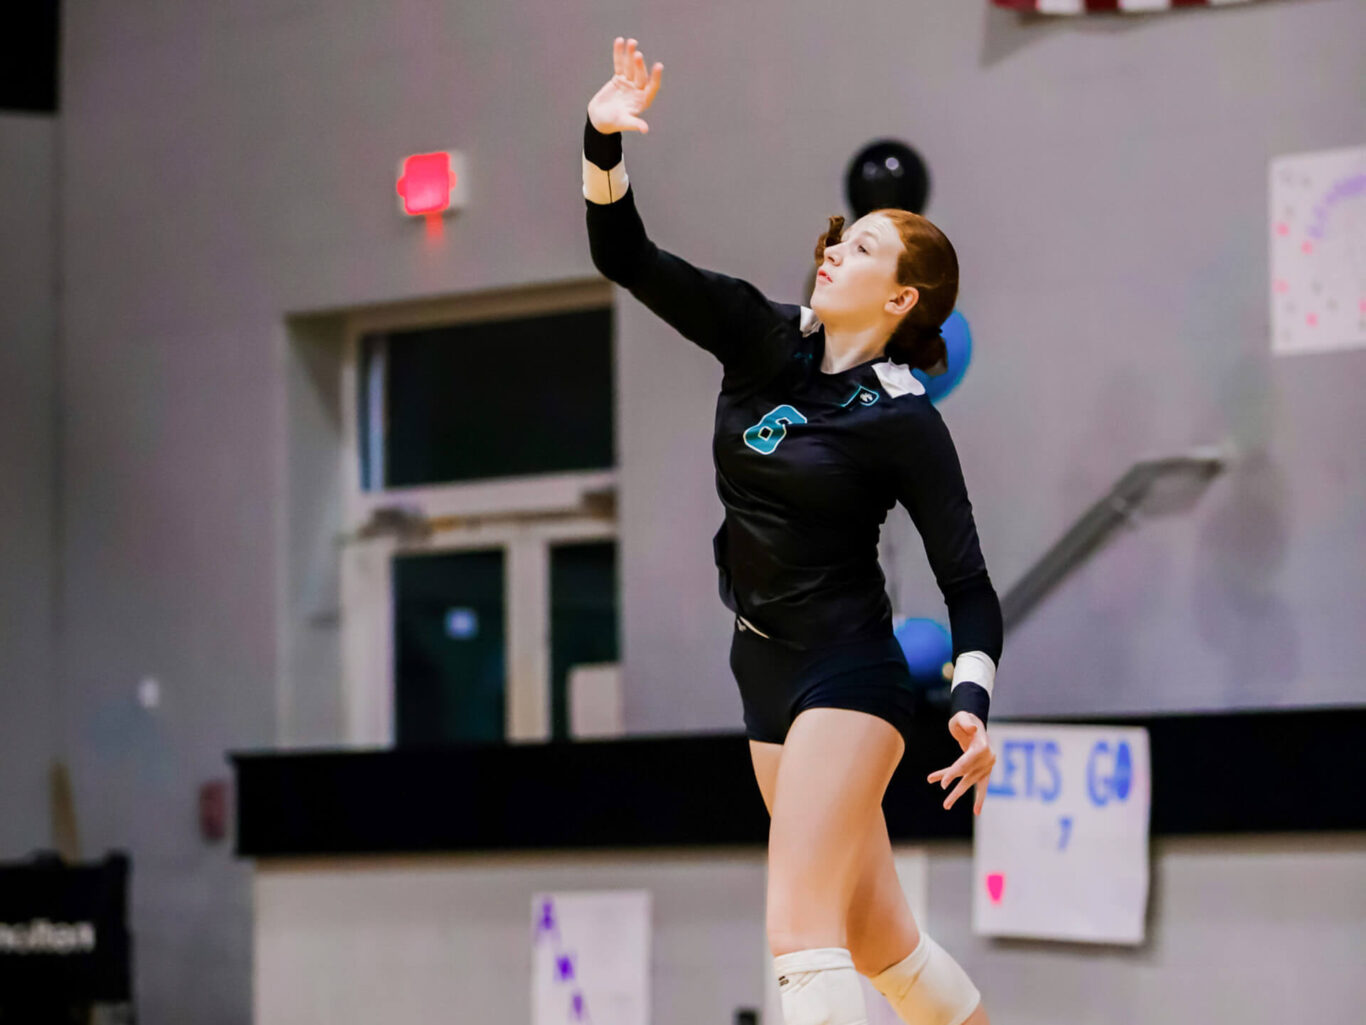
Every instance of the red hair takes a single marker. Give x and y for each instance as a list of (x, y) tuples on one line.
[(928, 263)]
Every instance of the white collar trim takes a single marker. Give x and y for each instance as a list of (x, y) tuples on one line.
[(809, 322), (897, 379)]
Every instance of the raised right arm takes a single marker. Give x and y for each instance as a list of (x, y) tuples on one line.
[(727, 316)]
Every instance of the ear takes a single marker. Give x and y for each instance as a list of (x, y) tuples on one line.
[(904, 300)]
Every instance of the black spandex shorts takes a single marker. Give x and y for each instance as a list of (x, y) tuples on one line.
[(777, 681)]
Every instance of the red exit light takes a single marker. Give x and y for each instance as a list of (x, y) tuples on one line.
[(426, 182)]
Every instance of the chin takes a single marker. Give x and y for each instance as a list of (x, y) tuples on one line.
[(824, 309)]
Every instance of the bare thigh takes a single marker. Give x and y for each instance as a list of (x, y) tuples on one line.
[(824, 801), (766, 758), (880, 927)]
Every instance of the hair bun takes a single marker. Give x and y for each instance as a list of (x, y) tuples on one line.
[(936, 351)]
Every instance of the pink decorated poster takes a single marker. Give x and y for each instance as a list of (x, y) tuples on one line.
[(1318, 251)]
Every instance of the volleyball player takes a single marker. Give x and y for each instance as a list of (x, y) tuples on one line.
[(820, 430)]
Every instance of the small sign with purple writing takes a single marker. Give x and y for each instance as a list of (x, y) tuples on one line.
[(1060, 850), (590, 958)]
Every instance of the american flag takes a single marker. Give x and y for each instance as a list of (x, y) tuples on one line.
[(1099, 6)]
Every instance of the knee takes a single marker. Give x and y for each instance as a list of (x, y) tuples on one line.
[(863, 966), (929, 986), (871, 962), (819, 987)]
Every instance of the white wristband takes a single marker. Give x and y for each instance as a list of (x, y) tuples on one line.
[(975, 667), (601, 186)]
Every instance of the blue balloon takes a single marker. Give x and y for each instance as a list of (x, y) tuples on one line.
[(927, 647), (958, 342)]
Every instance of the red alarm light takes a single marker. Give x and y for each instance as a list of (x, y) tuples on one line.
[(426, 182)]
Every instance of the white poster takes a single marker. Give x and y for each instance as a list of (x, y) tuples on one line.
[(1318, 251), (1060, 850), (912, 870), (590, 958)]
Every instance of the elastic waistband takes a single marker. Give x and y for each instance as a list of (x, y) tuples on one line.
[(745, 626)]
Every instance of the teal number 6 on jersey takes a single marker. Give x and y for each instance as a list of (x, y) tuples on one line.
[(766, 435)]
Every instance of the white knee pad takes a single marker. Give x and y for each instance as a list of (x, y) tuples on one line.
[(820, 987), (928, 987)]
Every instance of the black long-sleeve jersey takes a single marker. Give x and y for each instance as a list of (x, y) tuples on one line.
[(807, 463)]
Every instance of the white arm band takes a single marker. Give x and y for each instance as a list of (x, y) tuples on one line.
[(975, 667), (601, 186)]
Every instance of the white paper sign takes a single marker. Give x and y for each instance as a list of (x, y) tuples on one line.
[(590, 958), (1061, 847), (1318, 251)]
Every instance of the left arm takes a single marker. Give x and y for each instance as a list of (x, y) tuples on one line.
[(932, 489)]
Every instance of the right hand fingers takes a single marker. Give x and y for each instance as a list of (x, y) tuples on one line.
[(945, 776), (653, 87), (629, 62)]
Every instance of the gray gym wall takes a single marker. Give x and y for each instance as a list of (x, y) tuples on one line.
[(1104, 182), (28, 311)]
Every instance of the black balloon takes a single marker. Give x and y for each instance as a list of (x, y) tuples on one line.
[(887, 173)]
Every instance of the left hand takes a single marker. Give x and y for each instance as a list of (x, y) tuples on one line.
[(974, 765)]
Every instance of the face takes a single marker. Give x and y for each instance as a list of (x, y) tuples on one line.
[(856, 286)]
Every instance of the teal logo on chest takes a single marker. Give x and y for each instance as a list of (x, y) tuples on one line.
[(862, 396), (768, 433)]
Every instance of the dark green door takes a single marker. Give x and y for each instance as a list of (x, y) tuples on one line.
[(583, 617), (450, 679)]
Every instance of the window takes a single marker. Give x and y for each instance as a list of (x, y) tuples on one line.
[(479, 566), (489, 399)]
